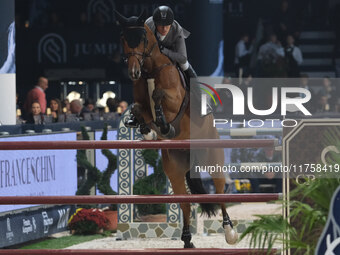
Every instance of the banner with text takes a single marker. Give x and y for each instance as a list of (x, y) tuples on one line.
[(38, 172)]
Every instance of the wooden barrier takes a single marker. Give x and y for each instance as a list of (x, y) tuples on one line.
[(126, 144), (205, 251), (139, 199)]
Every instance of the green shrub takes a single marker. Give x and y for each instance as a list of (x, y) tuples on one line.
[(153, 184), (94, 176)]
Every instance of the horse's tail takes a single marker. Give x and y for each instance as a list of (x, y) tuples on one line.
[(196, 187)]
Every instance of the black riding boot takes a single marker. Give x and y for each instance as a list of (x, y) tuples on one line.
[(190, 73)]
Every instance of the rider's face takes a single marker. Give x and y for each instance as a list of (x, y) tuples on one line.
[(163, 30)]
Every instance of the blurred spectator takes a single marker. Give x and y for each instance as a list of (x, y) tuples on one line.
[(242, 54), (284, 21), (271, 50), (304, 80), (66, 106), (56, 111), (327, 91), (76, 107), (268, 155), (37, 94), (89, 105), (35, 116), (247, 81), (123, 105), (270, 58), (16, 101), (323, 105), (18, 111), (112, 104), (293, 57), (258, 179)]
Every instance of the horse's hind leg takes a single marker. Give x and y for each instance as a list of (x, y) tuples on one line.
[(167, 130), (230, 234)]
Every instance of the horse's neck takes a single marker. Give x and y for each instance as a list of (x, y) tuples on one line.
[(157, 59)]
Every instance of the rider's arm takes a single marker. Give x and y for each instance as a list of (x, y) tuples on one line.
[(179, 54)]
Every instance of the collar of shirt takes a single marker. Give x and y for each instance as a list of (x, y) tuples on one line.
[(39, 88), (160, 37)]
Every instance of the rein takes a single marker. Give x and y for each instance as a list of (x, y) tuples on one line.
[(145, 54)]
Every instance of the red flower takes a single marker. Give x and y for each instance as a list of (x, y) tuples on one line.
[(88, 221)]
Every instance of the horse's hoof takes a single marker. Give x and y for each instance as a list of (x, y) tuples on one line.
[(144, 130), (230, 234), (191, 245), (152, 135)]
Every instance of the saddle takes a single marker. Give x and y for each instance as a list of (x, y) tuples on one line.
[(184, 79)]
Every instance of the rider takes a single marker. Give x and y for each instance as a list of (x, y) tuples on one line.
[(170, 36), (171, 40)]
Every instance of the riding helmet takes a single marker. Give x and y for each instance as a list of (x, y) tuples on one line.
[(163, 16)]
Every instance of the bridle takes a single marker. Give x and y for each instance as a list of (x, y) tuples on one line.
[(145, 54)]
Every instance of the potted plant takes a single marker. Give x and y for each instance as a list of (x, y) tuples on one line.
[(88, 221), (100, 179)]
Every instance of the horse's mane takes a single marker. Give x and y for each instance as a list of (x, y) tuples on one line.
[(150, 33)]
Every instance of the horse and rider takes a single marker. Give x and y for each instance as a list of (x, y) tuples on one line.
[(171, 37), (155, 50)]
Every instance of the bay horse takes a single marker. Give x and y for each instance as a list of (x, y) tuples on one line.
[(171, 119)]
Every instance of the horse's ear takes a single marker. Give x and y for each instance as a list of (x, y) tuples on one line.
[(142, 17), (121, 20)]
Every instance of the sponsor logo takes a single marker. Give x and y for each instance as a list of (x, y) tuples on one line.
[(26, 226), (9, 233), (47, 222), (34, 223), (64, 215), (52, 48), (103, 9)]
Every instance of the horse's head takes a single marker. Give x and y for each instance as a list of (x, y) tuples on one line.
[(134, 41)]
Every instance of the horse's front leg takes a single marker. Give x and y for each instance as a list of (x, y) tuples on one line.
[(137, 111), (141, 109), (174, 166), (167, 130)]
